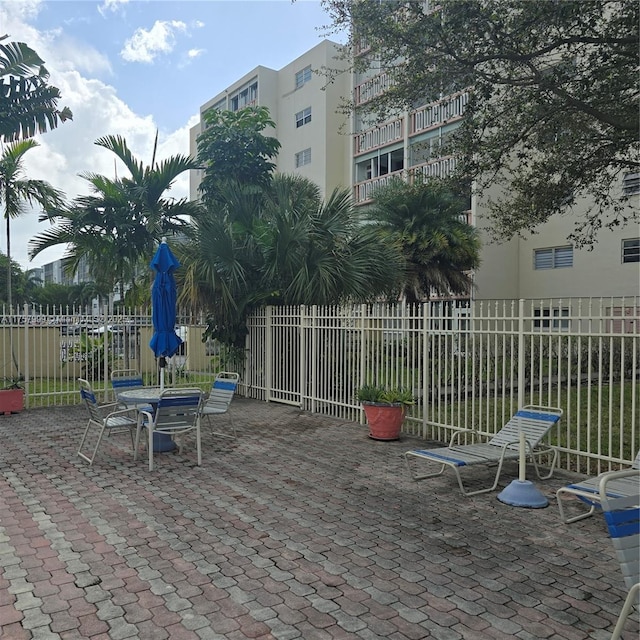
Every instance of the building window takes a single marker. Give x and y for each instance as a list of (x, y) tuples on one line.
[(246, 97), (551, 319), (631, 250), (303, 117), (554, 258), (302, 77), (631, 184), (303, 157)]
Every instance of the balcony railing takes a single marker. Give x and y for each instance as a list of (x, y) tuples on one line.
[(379, 136), (438, 168), (372, 88), (363, 191), (438, 113)]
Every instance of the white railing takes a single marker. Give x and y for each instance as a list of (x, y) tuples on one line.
[(379, 136), (468, 365), (438, 168), (445, 111), (372, 88), (363, 191)]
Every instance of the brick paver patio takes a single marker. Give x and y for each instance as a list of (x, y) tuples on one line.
[(301, 528)]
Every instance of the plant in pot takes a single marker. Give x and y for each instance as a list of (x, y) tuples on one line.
[(384, 408), (12, 396)]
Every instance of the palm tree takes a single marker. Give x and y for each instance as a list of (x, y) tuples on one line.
[(280, 245), (425, 220), (28, 105), (118, 225), (17, 191)]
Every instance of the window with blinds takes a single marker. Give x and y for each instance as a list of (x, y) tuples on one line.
[(553, 258)]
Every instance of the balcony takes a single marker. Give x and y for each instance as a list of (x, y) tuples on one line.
[(379, 136), (363, 191), (372, 88), (438, 168), (445, 111)]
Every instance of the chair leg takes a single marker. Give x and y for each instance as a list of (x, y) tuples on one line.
[(95, 449), (220, 433), (632, 598), (198, 444), (150, 447), (563, 517)]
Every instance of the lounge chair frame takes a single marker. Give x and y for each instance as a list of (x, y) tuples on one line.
[(534, 420), (623, 521), (621, 483)]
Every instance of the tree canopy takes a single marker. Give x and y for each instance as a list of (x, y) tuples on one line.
[(118, 226), (234, 147), (554, 96), (28, 103), (426, 221), (280, 244)]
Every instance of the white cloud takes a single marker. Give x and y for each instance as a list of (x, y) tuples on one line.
[(144, 46), (195, 53), (111, 6)]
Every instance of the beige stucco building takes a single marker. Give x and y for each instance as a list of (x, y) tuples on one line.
[(319, 143), (305, 108)]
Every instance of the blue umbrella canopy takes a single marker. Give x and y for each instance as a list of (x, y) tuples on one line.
[(164, 342)]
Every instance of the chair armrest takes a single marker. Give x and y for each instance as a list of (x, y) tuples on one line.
[(455, 436), (119, 412), (145, 417), (605, 477)]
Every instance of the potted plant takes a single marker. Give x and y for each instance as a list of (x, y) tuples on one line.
[(12, 397), (384, 408)]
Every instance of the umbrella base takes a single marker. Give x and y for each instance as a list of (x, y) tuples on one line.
[(162, 443), (522, 493)]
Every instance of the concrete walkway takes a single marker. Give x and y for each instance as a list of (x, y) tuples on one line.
[(303, 527)]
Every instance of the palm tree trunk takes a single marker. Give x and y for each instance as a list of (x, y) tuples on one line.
[(8, 262)]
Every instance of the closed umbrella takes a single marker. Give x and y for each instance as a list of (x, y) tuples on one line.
[(164, 342)]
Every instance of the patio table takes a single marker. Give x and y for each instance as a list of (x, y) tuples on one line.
[(162, 442)]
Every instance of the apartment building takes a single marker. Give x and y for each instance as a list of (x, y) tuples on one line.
[(315, 144), (305, 109)]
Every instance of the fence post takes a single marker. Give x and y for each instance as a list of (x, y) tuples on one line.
[(26, 354), (313, 369), (426, 317), (302, 366), (268, 359), (520, 353)]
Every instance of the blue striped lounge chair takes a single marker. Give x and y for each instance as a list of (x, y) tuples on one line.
[(535, 421), (619, 484), (622, 516)]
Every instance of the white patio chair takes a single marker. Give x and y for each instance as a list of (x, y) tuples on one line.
[(623, 521), (222, 391), (124, 380), (103, 418), (177, 413), (533, 420), (620, 483)]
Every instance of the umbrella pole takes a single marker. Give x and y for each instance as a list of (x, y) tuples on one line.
[(163, 364), (522, 492)]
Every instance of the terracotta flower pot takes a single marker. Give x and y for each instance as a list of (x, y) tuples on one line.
[(384, 419), (11, 401)]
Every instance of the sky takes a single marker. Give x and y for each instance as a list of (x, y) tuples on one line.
[(134, 67)]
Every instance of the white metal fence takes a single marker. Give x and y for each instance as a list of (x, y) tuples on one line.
[(467, 365)]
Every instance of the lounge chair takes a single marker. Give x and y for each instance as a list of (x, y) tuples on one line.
[(535, 421), (623, 521), (620, 483)]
